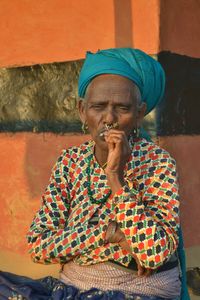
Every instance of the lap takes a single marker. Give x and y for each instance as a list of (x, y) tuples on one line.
[(15, 287)]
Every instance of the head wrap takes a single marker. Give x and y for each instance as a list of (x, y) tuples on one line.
[(134, 64)]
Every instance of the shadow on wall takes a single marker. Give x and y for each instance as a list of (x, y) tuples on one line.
[(179, 33), (179, 112)]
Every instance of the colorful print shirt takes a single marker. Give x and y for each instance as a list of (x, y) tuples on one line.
[(146, 208)]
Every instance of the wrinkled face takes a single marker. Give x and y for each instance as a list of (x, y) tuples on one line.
[(111, 99)]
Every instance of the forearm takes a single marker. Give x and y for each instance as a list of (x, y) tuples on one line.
[(150, 233), (115, 181), (62, 245), (106, 252)]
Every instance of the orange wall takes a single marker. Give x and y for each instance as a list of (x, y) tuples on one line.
[(26, 163), (179, 27), (185, 149), (45, 31)]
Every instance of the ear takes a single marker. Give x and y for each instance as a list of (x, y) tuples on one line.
[(81, 109), (141, 113)]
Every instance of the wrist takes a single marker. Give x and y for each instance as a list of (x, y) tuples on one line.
[(115, 181)]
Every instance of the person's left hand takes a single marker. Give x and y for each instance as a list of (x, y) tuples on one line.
[(119, 237)]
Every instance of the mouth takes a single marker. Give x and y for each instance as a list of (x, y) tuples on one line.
[(101, 135)]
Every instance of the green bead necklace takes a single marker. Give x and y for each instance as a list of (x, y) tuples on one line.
[(94, 201)]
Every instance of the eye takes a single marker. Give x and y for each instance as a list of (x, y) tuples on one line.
[(97, 106), (124, 108)]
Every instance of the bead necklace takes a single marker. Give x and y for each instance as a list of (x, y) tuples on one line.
[(94, 201)]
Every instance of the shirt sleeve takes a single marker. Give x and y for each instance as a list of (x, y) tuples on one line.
[(50, 239), (149, 216)]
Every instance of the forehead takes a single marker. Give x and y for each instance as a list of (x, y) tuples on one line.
[(108, 85)]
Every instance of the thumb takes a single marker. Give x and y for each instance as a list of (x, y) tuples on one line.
[(140, 270)]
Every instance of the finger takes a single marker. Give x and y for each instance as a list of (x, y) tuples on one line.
[(116, 131), (113, 140), (110, 141), (111, 144), (148, 272), (115, 147), (145, 272), (141, 270), (121, 136)]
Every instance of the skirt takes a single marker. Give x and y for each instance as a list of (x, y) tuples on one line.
[(16, 287)]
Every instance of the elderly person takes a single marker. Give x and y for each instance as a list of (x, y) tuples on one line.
[(110, 214)]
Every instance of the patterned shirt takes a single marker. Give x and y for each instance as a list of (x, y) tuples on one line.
[(146, 208)]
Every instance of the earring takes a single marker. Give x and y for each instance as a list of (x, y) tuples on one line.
[(84, 128), (135, 132)]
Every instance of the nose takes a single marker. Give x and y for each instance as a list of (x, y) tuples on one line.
[(110, 116)]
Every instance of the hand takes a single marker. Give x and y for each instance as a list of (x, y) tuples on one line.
[(118, 150), (118, 154), (115, 235)]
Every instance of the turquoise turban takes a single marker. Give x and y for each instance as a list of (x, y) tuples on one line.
[(134, 64)]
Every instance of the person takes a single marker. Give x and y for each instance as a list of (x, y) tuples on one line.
[(110, 214)]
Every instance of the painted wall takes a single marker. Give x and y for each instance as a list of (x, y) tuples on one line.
[(62, 30), (185, 149), (26, 163), (59, 30), (179, 27)]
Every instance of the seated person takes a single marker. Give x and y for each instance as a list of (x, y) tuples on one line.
[(110, 214)]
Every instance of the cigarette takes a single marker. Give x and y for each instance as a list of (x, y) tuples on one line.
[(101, 134)]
